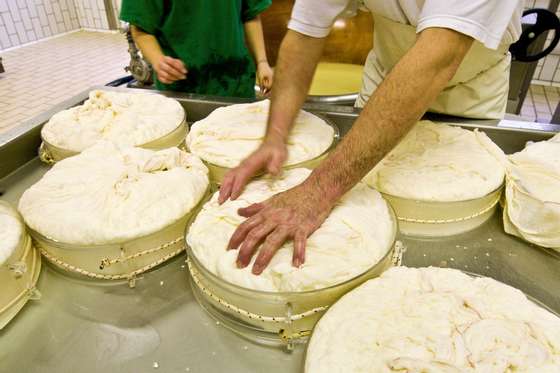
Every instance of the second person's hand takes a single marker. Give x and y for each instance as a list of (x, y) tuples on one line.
[(265, 77), (270, 157), (169, 69)]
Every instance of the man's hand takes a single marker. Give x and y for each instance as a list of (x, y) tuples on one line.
[(169, 69), (265, 77), (270, 157), (293, 214)]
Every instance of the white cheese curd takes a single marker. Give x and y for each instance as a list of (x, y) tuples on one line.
[(435, 320), (11, 230), (111, 194), (355, 236), (124, 118), (533, 194), (231, 133), (437, 162)]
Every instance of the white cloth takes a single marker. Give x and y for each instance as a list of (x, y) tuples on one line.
[(230, 134), (355, 236), (490, 22), (434, 320), (532, 209), (479, 88), (123, 118), (110, 194), (437, 162), (11, 230)]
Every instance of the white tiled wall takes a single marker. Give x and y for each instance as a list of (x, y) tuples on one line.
[(92, 14), (24, 21)]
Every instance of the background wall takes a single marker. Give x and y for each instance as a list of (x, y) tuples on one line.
[(25, 21), (92, 14)]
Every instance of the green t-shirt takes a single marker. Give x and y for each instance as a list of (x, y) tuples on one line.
[(207, 35)]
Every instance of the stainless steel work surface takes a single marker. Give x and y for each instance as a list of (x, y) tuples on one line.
[(84, 326)]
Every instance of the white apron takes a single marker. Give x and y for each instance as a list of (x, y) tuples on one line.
[(479, 89)]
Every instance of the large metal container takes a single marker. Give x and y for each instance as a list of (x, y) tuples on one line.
[(87, 327)]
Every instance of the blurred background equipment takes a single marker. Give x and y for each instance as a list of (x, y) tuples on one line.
[(139, 68)]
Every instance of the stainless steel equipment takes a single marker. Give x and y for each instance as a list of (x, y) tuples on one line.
[(86, 326), (138, 67)]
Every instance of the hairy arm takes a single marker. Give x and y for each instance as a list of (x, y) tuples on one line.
[(168, 69), (297, 60), (394, 108)]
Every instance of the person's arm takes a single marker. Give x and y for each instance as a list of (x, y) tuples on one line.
[(168, 69), (255, 42), (291, 85), (393, 109)]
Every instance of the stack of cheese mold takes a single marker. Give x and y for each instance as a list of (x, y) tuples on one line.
[(281, 306), (20, 265), (147, 120), (441, 180), (111, 213), (230, 134), (435, 320), (532, 204)]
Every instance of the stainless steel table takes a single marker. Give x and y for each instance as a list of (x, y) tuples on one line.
[(84, 326)]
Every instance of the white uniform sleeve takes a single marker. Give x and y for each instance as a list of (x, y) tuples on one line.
[(486, 21), (316, 17)]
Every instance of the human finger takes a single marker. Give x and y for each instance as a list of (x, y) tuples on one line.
[(250, 210), (177, 64), (298, 257), (252, 241), (245, 172), (242, 230), (225, 188), (172, 71), (272, 243)]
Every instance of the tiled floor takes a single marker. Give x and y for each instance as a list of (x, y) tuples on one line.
[(40, 75)]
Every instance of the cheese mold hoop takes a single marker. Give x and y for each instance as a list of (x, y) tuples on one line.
[(441, 180), (114, 212), (281, 306), (532, 203), (230, 134), (124, 118), (19, 268), (433, 219), (435, 320)]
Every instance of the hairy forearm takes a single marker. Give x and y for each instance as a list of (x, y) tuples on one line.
[(393, 109), (255, 39), (148, 44), (297, 60)]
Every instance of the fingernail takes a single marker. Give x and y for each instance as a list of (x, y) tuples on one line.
[(240, 264), (257, 270), (296, 263)]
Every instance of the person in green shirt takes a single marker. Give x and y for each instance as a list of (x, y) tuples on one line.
[(202, 46)]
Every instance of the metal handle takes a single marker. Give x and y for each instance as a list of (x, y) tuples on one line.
[(545, 21)]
